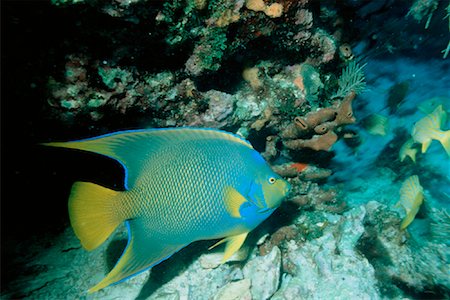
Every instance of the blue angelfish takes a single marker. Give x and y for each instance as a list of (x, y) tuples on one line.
[(182, 185)]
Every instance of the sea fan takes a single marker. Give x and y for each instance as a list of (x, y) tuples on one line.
[(352, 79)]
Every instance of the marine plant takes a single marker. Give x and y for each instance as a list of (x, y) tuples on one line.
[(351, 79)]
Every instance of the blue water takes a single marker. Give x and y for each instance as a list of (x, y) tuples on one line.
[(427, 79)]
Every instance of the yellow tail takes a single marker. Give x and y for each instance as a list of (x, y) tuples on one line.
[(445, 141), (93, 214), (406, 221)]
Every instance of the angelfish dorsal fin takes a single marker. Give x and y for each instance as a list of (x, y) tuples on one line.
[(131, 147)]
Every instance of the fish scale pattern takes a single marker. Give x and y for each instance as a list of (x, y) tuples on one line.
[(182, 195)]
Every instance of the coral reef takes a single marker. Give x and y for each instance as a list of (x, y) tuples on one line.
[(355, 252), (208, 36), (400, 261), (264, 273), (327, 260), (284, 74)]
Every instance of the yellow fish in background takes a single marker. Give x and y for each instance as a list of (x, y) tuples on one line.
[(429, 128), (411, 198), (408, 150), (182, 185)]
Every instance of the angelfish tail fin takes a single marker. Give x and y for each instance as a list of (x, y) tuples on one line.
[(93, 213)]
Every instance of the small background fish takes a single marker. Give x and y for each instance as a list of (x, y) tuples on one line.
[(409, 150), (411, 198), (396, 95), (430, 128)]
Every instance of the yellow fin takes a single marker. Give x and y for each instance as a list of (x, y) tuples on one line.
[(92, 213), (218, 243), (233, 201), (406, 221), (412, 154), (444, 138), (408, 150), (425, 145), (233, 244), (411, 214)]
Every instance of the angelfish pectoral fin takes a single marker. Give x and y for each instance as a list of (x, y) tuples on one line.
[(233, 201), (234, 243)]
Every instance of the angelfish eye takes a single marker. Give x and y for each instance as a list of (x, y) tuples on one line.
[(272, 180)]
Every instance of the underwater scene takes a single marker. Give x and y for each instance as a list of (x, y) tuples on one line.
[(225, 149)]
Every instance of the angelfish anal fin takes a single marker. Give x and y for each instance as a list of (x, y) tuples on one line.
[(142, 253), (234, 243)]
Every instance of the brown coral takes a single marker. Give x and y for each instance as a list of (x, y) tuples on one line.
[(251, 76), (345, 112), (313, 119), (317, 142), (295, 129), (345, 52), (290, 169), (283, 234), (274, 10), (313, 173), (271, 147), (321, 124), (320, 199)]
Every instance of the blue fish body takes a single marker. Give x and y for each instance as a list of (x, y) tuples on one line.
[(182, 185)]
